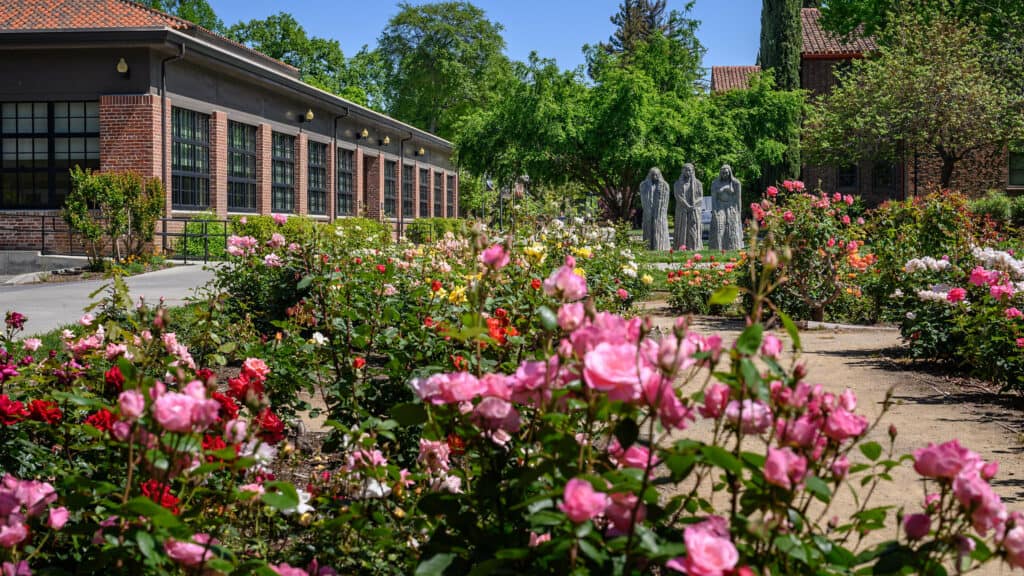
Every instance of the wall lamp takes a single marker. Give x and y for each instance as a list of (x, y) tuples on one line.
[(363, 135), (385, 141), (307, 117), (421, 152), (122, 67)]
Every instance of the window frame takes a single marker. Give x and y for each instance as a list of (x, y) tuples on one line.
[(424, 193), (316, 187), (282, 165), (438, 194), (408, 191), (345, 202), (1019, 157), (240, 186), (450, 195), (199, 150), (390, 192), (47, 173), (855, 187)]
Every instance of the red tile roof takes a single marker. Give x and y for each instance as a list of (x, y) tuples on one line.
[(818, 42), (731, 77), (40, 15)]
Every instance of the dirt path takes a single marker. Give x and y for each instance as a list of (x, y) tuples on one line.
[(929, 408)]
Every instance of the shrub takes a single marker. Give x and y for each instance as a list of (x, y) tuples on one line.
[(428, 230), (117, 210), (362, 232), (692, 284), (205, 237), (996, 205)]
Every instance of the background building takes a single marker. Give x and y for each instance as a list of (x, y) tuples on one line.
[(113, 85)]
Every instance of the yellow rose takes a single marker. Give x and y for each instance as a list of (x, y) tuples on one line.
[(647, 280), (457, 295), (580, 272)]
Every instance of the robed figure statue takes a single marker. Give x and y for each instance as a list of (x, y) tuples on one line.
[(726, 217), (689, 194), (654, 193)]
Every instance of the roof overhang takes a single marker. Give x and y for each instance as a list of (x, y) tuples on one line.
[(171, 40), (836, 56)]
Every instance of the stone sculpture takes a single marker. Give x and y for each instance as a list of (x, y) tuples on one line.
[(689, 194), (726, 222), (654, 193)]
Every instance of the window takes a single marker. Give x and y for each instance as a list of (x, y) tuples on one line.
[(884, 177), (847, 178), (242, 177), (438, 195), (1016, 169), (390, 198), (39, 143), (451, 196), (317, 188), (190, 160), (408, 205), (346, 182), (424, 193), (282, 155)]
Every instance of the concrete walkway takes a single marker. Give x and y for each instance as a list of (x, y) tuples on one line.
[(50, 306)]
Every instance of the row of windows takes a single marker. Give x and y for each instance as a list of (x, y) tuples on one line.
[(190, 172), (39, 143)]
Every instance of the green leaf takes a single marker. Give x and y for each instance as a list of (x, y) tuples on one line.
[(409, 414), (871, 450), (722, 458), (435, 566), (818, 488), (143, 506), (724, 296), (280, 495), (592, 552), (304, 283), (750, 340), (145, 543), (548, 318), (791, 329)]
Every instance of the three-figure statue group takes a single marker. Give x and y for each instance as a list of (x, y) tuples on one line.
[(726, 223)]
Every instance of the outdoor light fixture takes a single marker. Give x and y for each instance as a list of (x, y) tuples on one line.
[(385, 141), (421, 152), (309, 115), (122, 67), (364, 134)]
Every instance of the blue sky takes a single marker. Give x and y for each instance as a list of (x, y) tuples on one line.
[(554, 28)]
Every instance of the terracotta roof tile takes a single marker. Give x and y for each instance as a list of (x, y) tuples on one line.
[(40, 15), (818, 42), (731, 77)]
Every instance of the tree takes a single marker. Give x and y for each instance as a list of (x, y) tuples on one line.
[(441, 62), (635, 21), (196, 11), (781, 41), (932, 88), (320, 61)]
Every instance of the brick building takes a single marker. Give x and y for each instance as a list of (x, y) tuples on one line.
[(823, 55), (113, 85)]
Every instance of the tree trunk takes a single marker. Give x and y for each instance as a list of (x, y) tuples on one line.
[(948, 165)]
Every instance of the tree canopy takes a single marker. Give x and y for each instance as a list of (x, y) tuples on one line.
[(440, 62), (781, 41), (933, 87), (196, 11)]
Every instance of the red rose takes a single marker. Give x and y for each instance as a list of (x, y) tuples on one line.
[(228, 406), (11, 411), (501, 313), (358, 362), (213, 444), (459, 363), (114, 378), (205, 375), (161, 494), (44, 411), (535, 283), (102, 420), (271, 427), (382, 268), (435, 285), (456, 445)]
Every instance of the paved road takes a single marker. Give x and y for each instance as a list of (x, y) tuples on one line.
[(50, 306)]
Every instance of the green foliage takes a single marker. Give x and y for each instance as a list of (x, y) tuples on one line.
[(205, 236), (263, 227), (934, 89), (441, 61), (320, 60), (113, 210), (196, 11), (430, 230), (362, 231), (782, 41), (693, 284)]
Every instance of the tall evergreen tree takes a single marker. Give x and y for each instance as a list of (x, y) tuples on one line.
[(781, 41), (634, 22)]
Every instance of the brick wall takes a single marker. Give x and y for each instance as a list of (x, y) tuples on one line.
[(976, 174), (301, 175), (130, 134), (332, 182), (359, 207), (264, 142), (374, 186), (219, 164)]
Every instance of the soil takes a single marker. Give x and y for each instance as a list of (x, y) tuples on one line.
[(81, 274), (929, 406)]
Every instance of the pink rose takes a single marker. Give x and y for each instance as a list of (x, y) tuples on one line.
[(434, 454), (788, 216), (917, 526), (190, 554), (58, 518), (456, 387), (1010, 313), (943, 460), (637, 456), (622, 294), (1013, 543), (235, 431), (620, 511), (616, 369), (495, 257), (538, 539), (707, 553), (716, 397), (755, 415), (982, 277), (571, 316), (496, 414), (12, 535), (975, 495), (842, 424), (772, 191), (173, 411), (32, 344), (19, 569), (783, 468), (802, 432), (581, 502), (565, 283), (286, 569), (132, 404), (280, 219), (848, 400), (276, 240), (956, 295), (771, 346), (1001, 291), (840, 467)]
